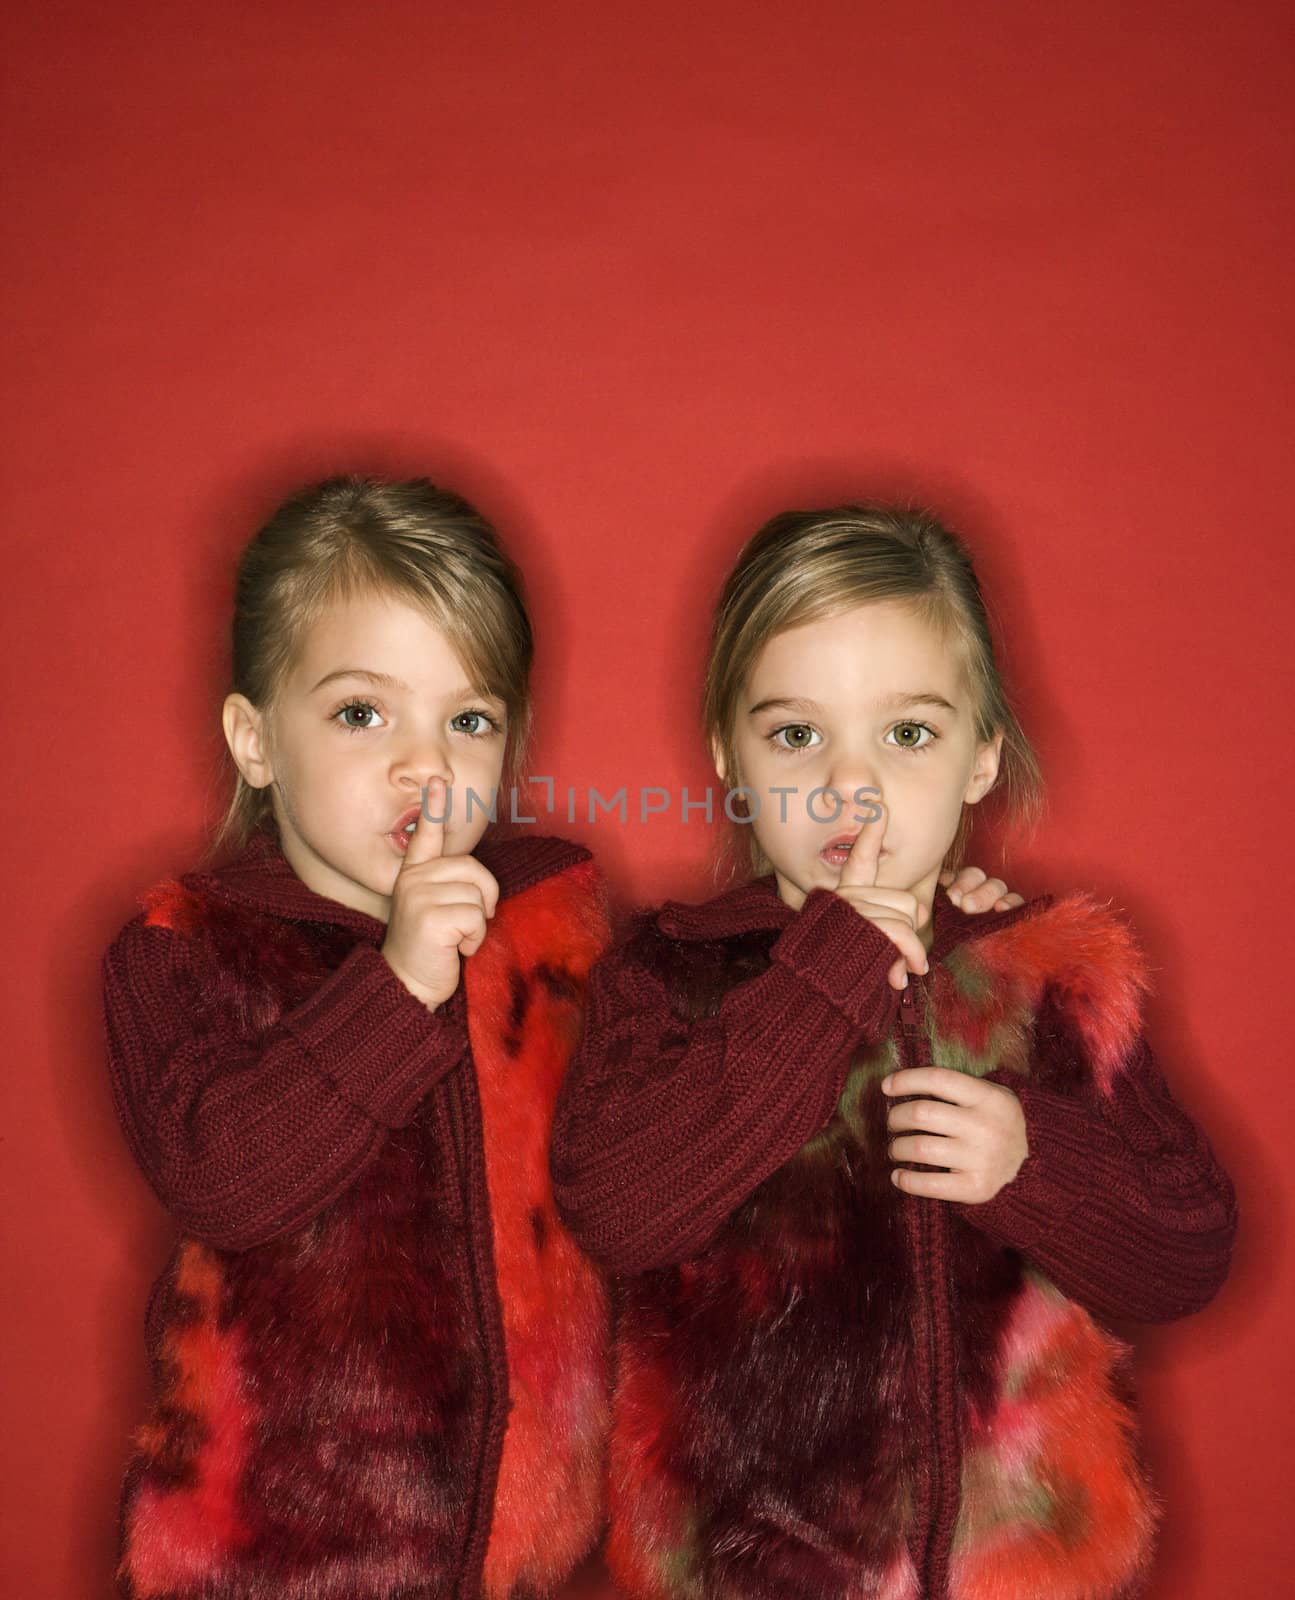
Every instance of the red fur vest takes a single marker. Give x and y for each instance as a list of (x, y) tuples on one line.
[(853, 1394), (405, 1393)]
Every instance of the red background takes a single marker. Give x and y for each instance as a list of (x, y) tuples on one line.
[(634, 277)]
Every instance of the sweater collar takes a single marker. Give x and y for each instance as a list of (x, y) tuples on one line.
[(260, 878), (755, 906)]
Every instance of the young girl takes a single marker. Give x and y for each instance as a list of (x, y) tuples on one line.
[(875, 1173), (379, 1359)]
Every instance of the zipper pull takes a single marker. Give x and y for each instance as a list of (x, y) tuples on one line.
[(907, 1005)]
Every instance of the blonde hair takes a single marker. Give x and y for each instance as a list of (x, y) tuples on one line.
[(405, 539), (803, 566)]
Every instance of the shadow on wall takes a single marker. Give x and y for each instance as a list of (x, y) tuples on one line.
[(135, 1229)]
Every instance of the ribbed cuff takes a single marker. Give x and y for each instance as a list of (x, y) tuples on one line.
[(376, 1041), (1058, 1174), (842, 956)]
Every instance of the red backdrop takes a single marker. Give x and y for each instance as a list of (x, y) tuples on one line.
[(634, 277)]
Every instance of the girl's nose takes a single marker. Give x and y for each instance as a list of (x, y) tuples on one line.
[(417, 766), (859, 785)]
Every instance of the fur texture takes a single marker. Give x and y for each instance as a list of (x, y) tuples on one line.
[(317, 1432), (524, 989), (771, 1420)]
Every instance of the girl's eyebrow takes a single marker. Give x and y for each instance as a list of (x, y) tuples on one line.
[(383, 678), (892, 702), (780, 703), (901, 702)]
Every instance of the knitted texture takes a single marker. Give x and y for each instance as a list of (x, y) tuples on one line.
[(334, 1370), (826, 1386)]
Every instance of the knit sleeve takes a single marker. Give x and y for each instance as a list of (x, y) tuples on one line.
[(664, 1125), (1121, 1202), (245, 1138)]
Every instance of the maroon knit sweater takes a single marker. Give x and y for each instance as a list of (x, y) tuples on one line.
[(663, 1130), (243, 1140)]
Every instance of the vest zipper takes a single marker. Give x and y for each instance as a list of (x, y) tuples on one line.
[(927, 1225), (463, 1105)]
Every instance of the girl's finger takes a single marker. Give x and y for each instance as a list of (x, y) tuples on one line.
[(449, 892), (860, 869), (928, 1148), (983, 898), (904, 939), (469, 923), (427, 842), (871, 900), (927, 1116), (941, 1083), (931, 1185), (968, 878), (466, 869)]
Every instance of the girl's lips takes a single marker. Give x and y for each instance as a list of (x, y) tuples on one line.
[(836, 855), (397, 835)]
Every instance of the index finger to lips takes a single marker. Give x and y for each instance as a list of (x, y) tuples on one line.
[(427, 842), (958, 1088), (860, 869)]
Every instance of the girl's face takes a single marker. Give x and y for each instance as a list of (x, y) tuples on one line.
[(377, 704), (872, 698)]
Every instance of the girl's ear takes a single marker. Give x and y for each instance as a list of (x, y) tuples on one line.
[(246, 736), (720, 762), (985, 770)]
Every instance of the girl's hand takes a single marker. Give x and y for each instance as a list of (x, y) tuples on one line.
[(972, 891), (440, 906), (974, 1128), (896, 912)]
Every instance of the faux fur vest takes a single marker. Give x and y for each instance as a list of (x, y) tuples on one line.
[(405, 1396), (852, 1393)]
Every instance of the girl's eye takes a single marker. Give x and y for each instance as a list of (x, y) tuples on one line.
[(909, 735), (796, 736), (362, 709), (473, 723)]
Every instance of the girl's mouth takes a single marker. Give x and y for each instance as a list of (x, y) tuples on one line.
[(403, 831), (836, 852)]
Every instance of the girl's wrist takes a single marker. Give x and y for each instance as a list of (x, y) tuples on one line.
[(419, 991), (842, 956)]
